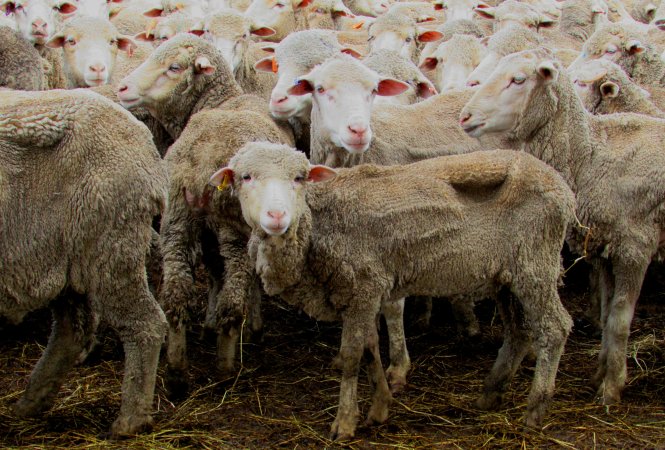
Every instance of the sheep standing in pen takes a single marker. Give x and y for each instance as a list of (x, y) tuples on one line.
[(89, 182), (189, 88), (616, 166), (326, 249)]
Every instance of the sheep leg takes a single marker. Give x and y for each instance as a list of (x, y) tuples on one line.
[(551, 324), (610, 377), (378, 412), (467, 322), (214, 265), (600, 287), (354, 332), (393, 312), (516, 344), (73, 329)]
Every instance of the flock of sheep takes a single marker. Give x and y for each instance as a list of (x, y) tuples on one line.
[(181, 152)]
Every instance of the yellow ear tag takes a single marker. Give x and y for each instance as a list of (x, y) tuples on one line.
[(358, 25), (225, 183), (151, 26)]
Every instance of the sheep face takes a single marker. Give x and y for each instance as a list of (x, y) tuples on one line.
[(399, 34), (612, 42), (276, 14), (171, 70), (459, 9), (167, 27), (343, 92), (513, 13), (372, 8), (454, 61), (94, 8), (499, 105), (90, 47), (323, 14), (37, 19), (270, 182), (192, 8)]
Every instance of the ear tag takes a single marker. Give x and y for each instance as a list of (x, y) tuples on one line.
[(273, 65), (225, 183), (151, 26), (358, 25)]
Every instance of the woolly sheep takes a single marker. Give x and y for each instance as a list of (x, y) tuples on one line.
[(189, 88), (230, 32), (390, 64), (644, 10), (580, 18), (317, 246), (454, 60), (193, 8), (162, 29), (283, 16), (90, 46), (448, 30), (372, 8), (514, 13), (329, 15), (36, 20), (615, 165), (129, 20), (459, 9), (110, 184), (605, 88), (21, 66)]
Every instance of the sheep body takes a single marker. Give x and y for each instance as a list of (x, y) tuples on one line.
[(329, 262), (93, 210), (21, 66)]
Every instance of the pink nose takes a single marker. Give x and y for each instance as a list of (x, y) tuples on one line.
[(465, 118), (280, 100), (357, 130), (472, 83), (39, 25), (277, 215), (99, 69)]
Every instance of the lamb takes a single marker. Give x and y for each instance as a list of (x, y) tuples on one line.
[(605, 88), (111, 183), (454, 60), (21, 66), (500, 44), (230, 32), (316, 246), (616, 169), (626, 46), (189, 88), (513, 13), (90, 47), (390, 64)]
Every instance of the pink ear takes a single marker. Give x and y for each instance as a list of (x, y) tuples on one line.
[(425, 19), (145, 38), (155, 12), (203, 65), (430, 36), (263, 31), (222, 178), (426, 90), (127, 45), (484, 12), (341, 13), (319, 173), (438, 6), (429, 63), (303, 4), (265, 64), (301, 87), (352, 52), (197, 32), (66, 8), (10, 7), (56, 41), (389, 87)]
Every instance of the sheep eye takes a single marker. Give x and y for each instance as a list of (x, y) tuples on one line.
[(611, 50), (70, 41), (320, 89), (113, 42), (175, 67), (409, 39), (279, 5), (299, 179), (247, 177), (519, 79)]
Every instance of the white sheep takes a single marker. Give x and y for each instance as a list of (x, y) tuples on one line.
[(454, 60), (616, 166), (391, 64), (372, 235), (37, 20)]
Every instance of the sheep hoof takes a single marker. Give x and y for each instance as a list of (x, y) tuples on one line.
[(125, 426), (608, 396), (534, 419), (342, 429), (377, 414), (25, 408), (489, 401), (396, 377)]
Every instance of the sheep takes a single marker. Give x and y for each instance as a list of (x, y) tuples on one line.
[(130, 20), (448, 30), (644, 10), (500, 44), (193, 8), (189, 88), (164, 28), (605, 88), (390, 64), (616, 167), (36, 19), (94, 211), (21, 66), (626, 46), (459, 9), (513, 13), (372, 8), (90, 47), (418, 11), (283, 16), (329, 15), (454, 60), (320, 248), (401, 33), (580, 18), (230, 31)]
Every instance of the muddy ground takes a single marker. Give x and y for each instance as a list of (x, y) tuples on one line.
[(285, 393)]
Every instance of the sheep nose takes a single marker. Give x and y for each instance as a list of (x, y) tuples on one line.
[(358, 130), (99, 69), (466, 116), (123, 88), (472, 83), (277, 215), (280, 100), (39, 25), (660, 23)]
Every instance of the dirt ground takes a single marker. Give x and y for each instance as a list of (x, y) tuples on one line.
[(285, 393)]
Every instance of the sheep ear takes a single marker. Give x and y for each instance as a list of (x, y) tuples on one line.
[(388, 87), (269, 48), (352, 52), (425, 89), (262, 31), (9, 8), (145, 36), (485, 12), (634, 47), (429, 63), (222, 178), (546, 22), (650, 11), (438, 5), (429, 36), (609, 89), (127, 45), (319, 173), (155, 12), (301, 3), (66, 8), (547, 71), (203, 65), (56, 41), (267, 64), (301, 87)]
